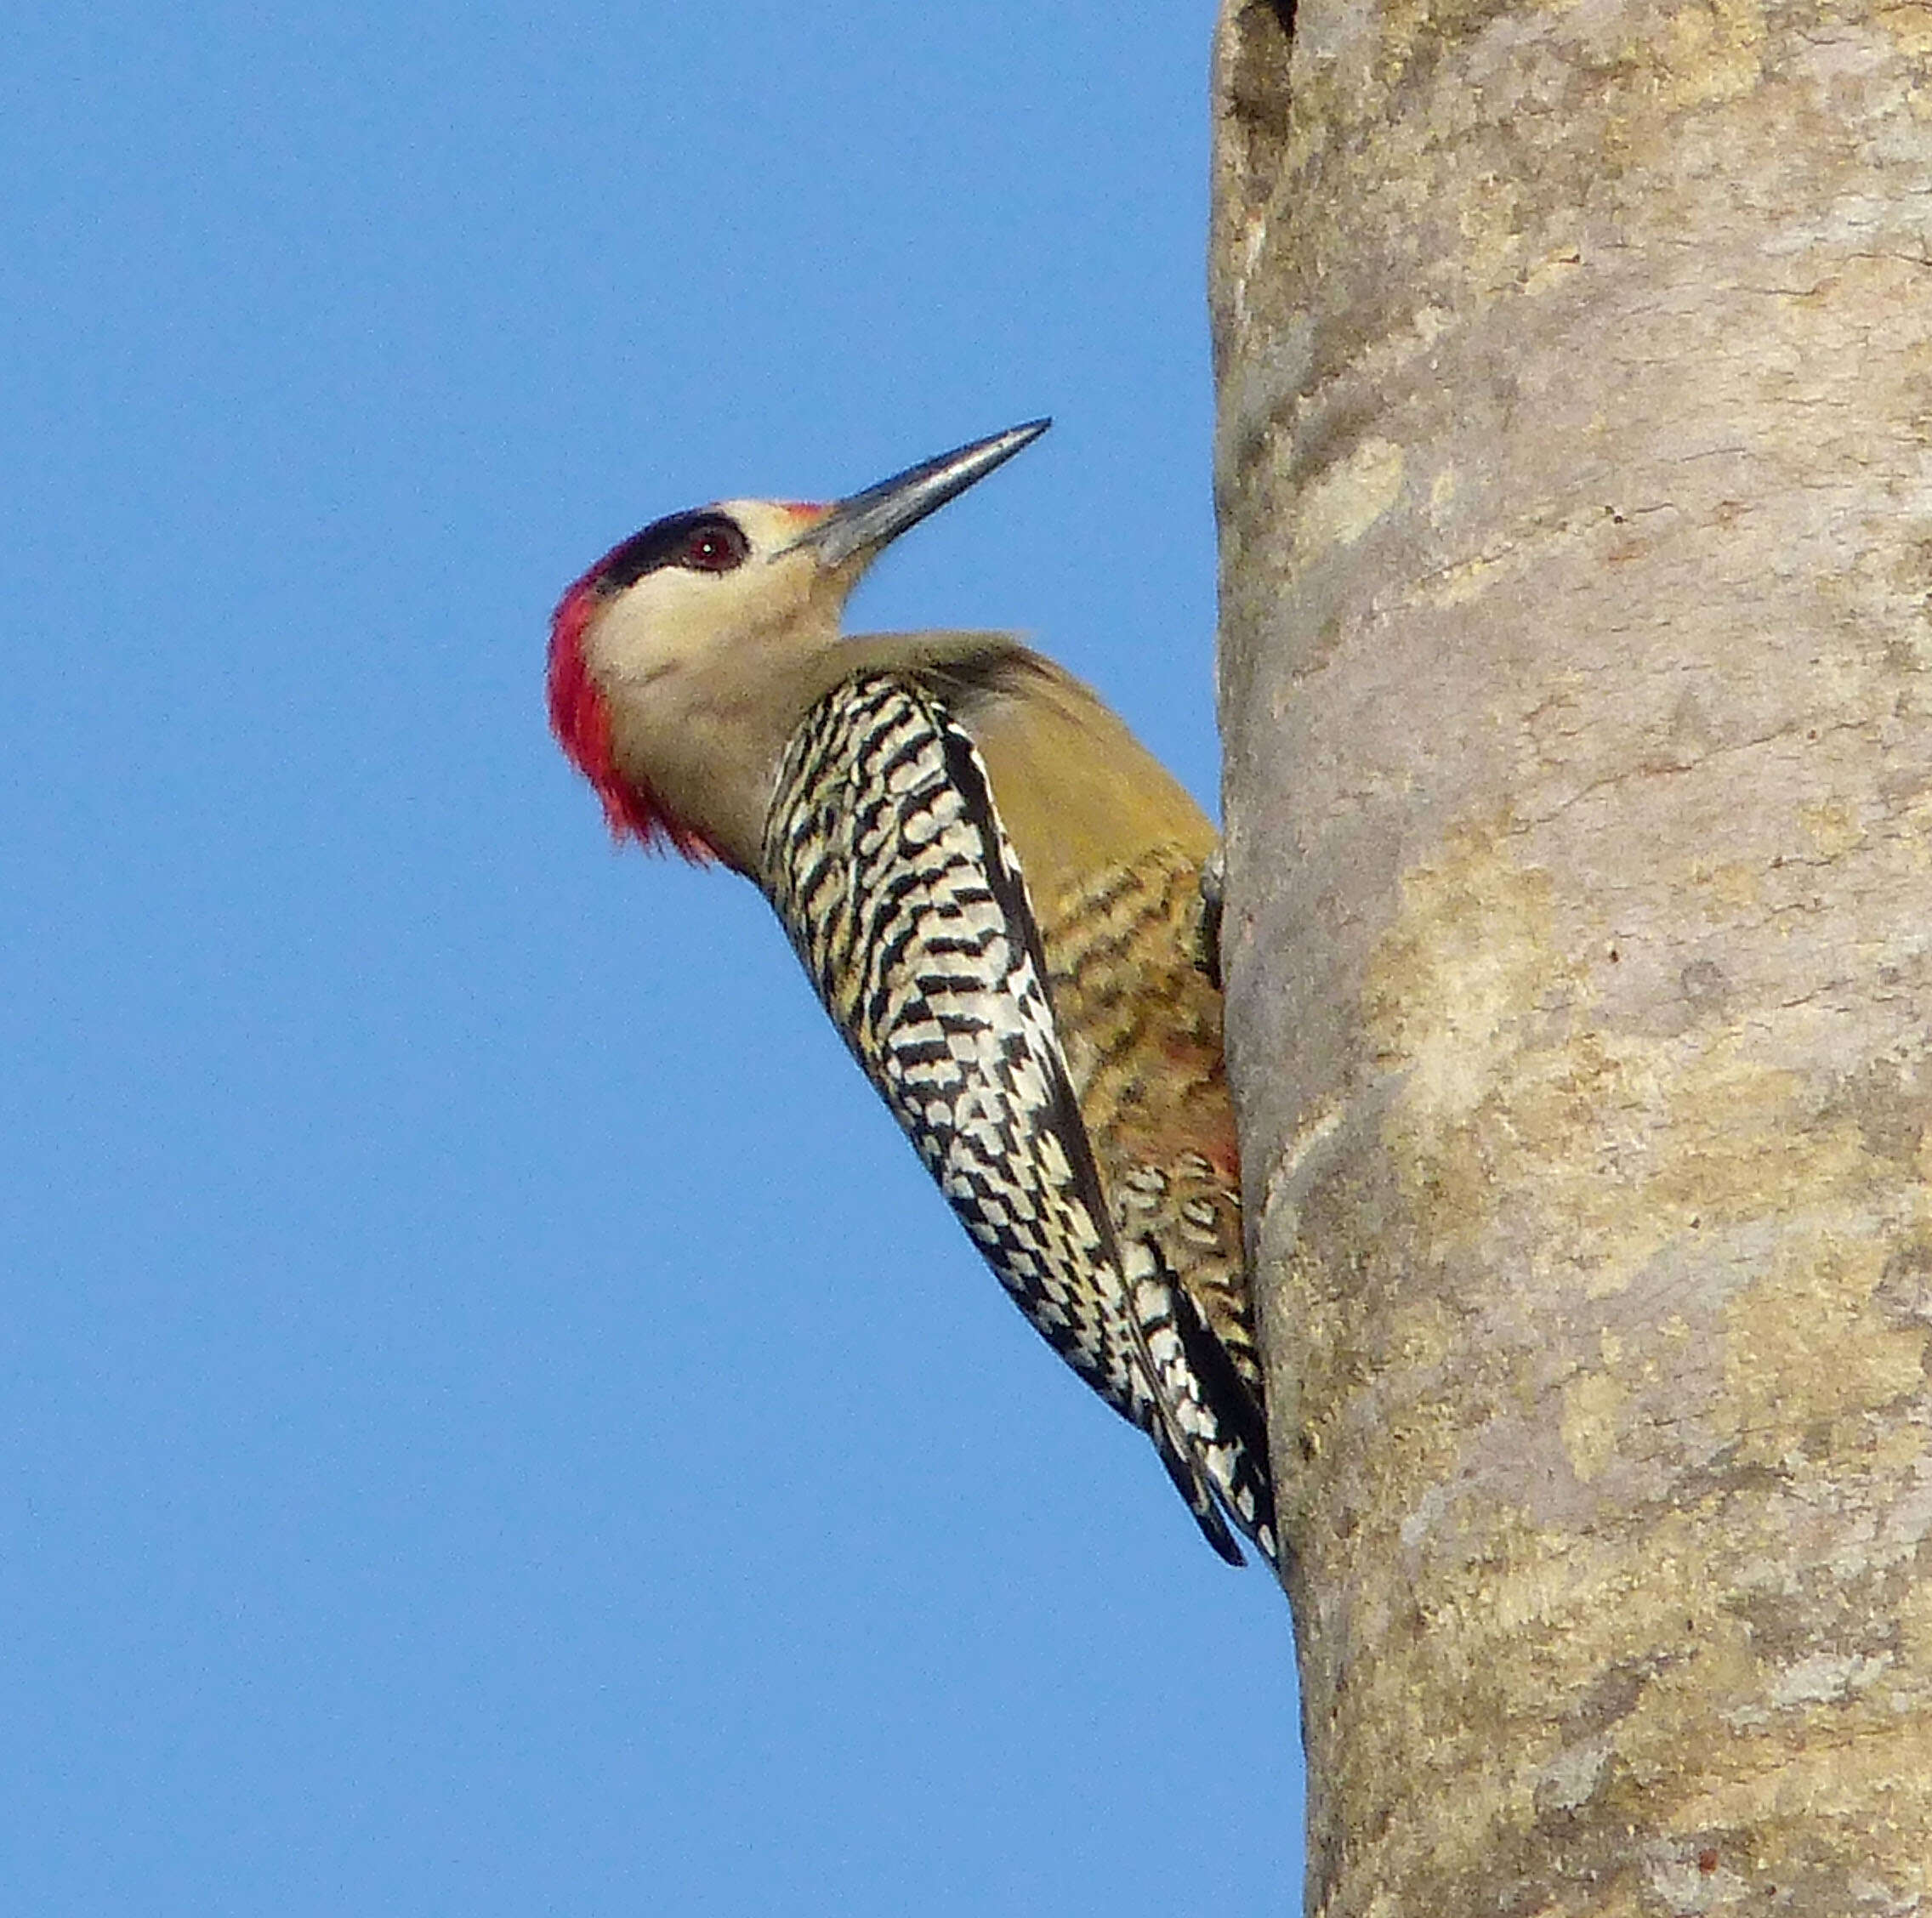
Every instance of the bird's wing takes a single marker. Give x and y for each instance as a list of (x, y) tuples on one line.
[(888, 864)]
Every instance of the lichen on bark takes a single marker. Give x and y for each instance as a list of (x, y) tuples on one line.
[(1573, 367)]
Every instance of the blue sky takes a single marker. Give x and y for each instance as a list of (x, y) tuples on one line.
[(495, 1420)]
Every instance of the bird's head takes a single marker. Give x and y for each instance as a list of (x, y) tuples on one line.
[(706, 606)]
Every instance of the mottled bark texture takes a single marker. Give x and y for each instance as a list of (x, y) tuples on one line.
[(1575, 372)]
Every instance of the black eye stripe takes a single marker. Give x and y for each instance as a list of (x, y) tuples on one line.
[(669, 542)]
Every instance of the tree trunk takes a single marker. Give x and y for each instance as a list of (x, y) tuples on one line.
[(1575, 367)]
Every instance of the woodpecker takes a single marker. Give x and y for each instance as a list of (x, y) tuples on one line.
[(995, 891)]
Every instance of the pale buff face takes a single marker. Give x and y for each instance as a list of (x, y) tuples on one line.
[(682, 663), (671, 634)]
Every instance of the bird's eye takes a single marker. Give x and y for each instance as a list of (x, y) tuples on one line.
[(716, 547)]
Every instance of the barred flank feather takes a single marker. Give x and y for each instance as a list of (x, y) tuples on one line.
[(886, 859)]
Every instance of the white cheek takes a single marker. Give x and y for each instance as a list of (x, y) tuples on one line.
[(676, 622), (669, 619)]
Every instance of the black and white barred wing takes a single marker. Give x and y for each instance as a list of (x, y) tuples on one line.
[(888, 864)]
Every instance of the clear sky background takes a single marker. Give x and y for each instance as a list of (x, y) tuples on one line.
[(494, 1419)]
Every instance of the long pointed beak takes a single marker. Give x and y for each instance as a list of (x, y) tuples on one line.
[(866, 521)]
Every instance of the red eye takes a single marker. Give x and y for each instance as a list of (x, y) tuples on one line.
[(716, 547)]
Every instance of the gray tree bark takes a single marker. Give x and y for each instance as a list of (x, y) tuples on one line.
[(1575, 377)]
